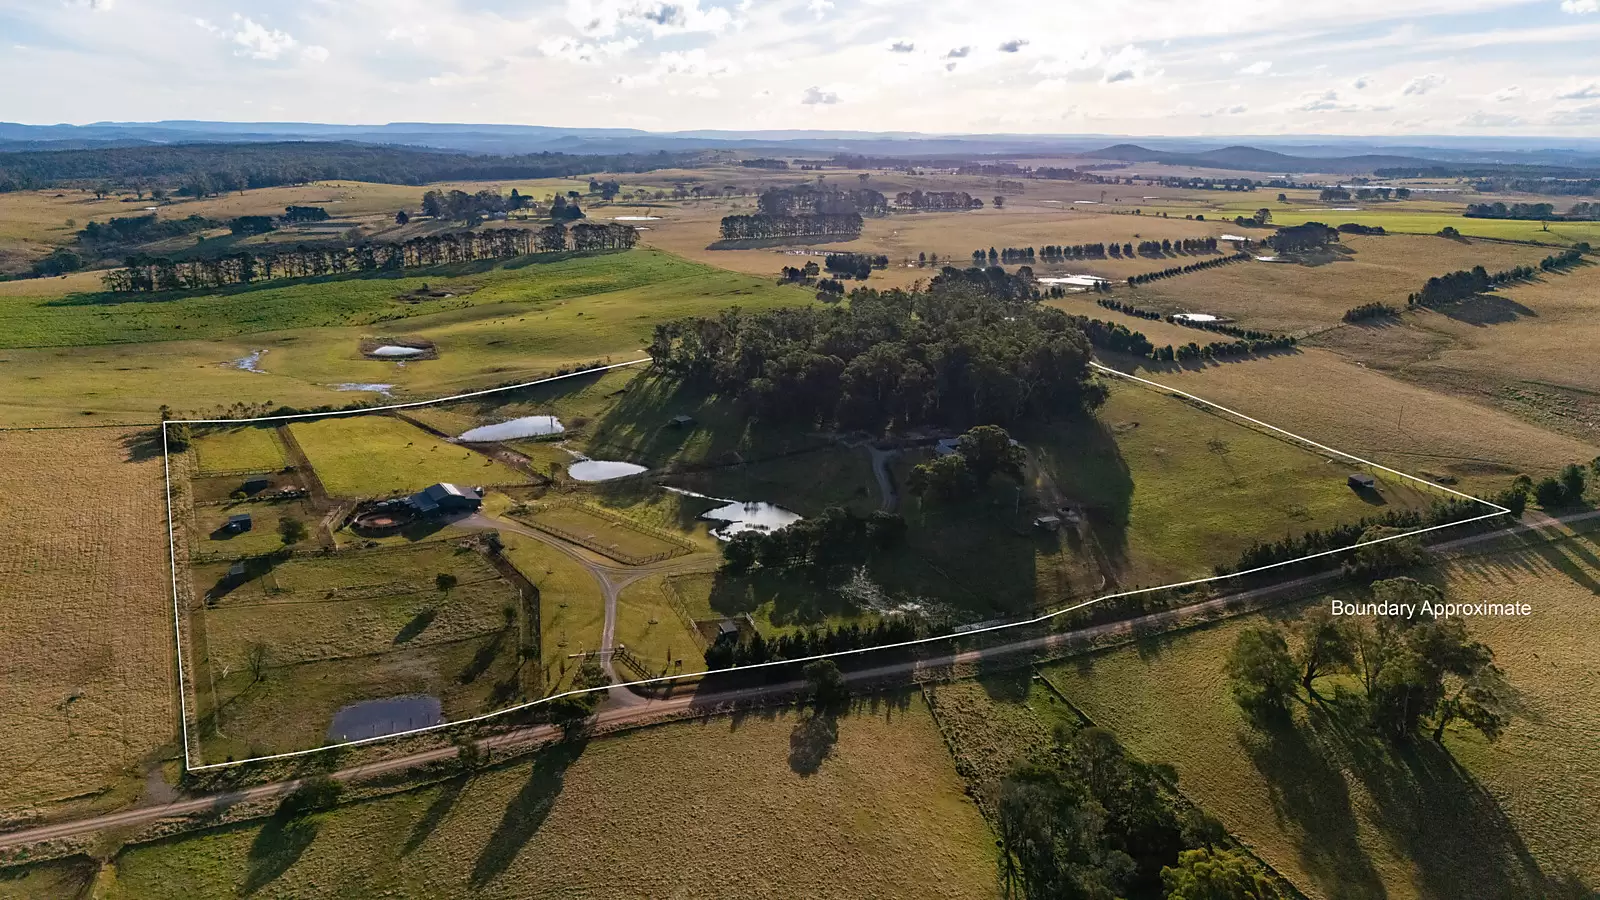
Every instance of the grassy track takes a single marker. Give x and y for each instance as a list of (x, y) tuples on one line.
[(571, 608), (605, 820)]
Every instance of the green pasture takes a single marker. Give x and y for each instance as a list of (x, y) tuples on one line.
[(245, 449), (377, 455)]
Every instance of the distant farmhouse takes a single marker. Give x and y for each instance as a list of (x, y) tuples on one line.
[(442, 498)]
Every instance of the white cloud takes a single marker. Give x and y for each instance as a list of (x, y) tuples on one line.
[(1330, 101), (577, 51), (815, 95), (1256, 68), (254, 40), (604, 18), (1422, 84), (958, 53), (1580, 7), (1490, 120), (1013, 45), (1227, 56), (902, 47), (96, 5), (819, 8), (1587, 91), (314, 53), (1507, 94), (1236, 110), (416, 34), (1583, 115), (1128, 64), (1361, 82)]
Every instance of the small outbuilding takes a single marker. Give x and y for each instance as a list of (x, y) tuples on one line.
[(1048, 523), (239, 524), (681, 421), (256, 485), (236, 573), (728, 629), (1362, 482), (441, 498)]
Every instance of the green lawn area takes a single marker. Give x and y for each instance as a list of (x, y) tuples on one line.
[(263, 536), (377, 455), (572, 610), (653, 632), (659, 812), (1184, 489), (246, 449)]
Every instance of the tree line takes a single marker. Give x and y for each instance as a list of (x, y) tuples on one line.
[(854, 265), (202, 169), (808, 200), (1375, 309), (1335, 194), (1205, 184), (1465, 283), (972, 347), (1301, 238), (760, 226), (1057, 253), (780, 165), (1146, 277), (141, 229), (1537, 212), (924, 200), (820, 547), (731, 652), (147, 274), (1082, 818), (1250, 334), (1342, 536), (1118, 338)]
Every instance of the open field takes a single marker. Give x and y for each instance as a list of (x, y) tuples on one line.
[(653, 632), (1344, 814), (210, 539), (1331, 400), (251, 448), (598, 820), (376, 455), (1294, 297), (87, 698), (1513, 349)]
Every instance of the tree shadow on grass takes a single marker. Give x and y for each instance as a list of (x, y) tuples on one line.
[(812, 740), (526, 813), (418, 624), (277, 847), (434, 815), (142, 446), (487, 653)]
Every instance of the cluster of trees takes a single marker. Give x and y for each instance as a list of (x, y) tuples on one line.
[(60, 261), (608, 189), (460, 206), (820, 546), (763, 163), (805, 274), (248, 225), (1566, 187), (1173, 271), (1206, 184), (1083, 819), (980, 454), (1556, 491), (1335, 194), (854, 265), (1465, 283), (294, 215), (972, 348), (1415, 671), (123, 230), (1339, 537), (1057, 253), (729, 652), (1538, 212), (737, 228), (202, 169), (810, 200), (1357, 228), (145, 274), (1301, 238), (920, 199), (1375, 309)]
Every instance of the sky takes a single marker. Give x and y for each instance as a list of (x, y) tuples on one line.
[(1151, 67)]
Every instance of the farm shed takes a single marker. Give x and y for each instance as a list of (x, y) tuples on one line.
[(256, 485), (445, 498), (239, 523), (681, 421), (1362, 482)]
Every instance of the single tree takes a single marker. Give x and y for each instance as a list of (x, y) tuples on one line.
[(825, 684), (1216, 874), (1262, 671), (402, 217), (1326, 646), (292, 530), (256, 659), (445, 582)]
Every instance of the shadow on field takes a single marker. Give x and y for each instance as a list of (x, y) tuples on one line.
[(141, 446), (526, 813), (1457, 838), (1488, 309), (434, 815), (278, 846)]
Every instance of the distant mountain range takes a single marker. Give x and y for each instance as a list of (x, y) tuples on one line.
[(1262, 154)]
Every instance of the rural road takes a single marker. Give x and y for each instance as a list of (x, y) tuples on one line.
[(641, 709)]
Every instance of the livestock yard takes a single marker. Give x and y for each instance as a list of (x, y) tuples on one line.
[(698, 455)]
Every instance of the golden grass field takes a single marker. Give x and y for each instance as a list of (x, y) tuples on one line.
[(706, 809), (1346, 817), (87, 697), (1319, 395)]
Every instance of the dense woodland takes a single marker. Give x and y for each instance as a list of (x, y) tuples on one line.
[(147, 274), (973, 348), (1536, 212), (203, 169), (936, 200), (756, 227), (806, 200)]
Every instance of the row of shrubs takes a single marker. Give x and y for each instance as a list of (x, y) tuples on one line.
[(1185, 270)]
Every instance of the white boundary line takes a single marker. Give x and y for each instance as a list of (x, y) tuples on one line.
[(1498, 510)]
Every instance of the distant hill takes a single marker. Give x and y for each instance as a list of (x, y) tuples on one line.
[(1253, 159)]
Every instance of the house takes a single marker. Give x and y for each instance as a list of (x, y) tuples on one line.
[(681, 421), (1362, 482), (1048, 523), (238, 524), (445, 498), (256, 485)]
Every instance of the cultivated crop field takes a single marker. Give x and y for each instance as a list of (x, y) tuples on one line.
[(86, 682), (596, 820)]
